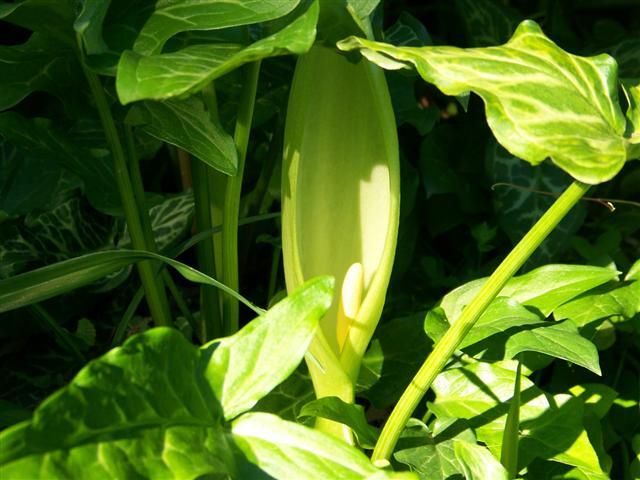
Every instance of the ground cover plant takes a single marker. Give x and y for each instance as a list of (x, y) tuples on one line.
[(320, 239)]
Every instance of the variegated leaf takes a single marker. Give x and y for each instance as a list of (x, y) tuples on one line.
[(190, 69), (540, 100)]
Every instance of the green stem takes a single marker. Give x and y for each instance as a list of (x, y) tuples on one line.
[(232, 198), (511, 435), (180, 301), (443, 350), (209, 298), (156, 296)]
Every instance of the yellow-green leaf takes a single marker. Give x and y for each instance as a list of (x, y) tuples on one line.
[(540, 100)]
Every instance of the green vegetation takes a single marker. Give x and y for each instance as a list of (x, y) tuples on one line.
[(435, 206)]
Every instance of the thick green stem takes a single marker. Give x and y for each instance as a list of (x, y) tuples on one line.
[(443, 350), (209, 297), (154, 290), (232, 199)]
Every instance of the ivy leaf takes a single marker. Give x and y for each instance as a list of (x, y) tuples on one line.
[(170, 18), (632, 91), (487, 22), (188, 70), (186, 124), (170, 220), (518, 208), (540, 100)]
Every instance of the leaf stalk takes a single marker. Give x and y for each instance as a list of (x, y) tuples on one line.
[(443, 350)]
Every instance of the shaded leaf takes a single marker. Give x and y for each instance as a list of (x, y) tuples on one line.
[(520, 205), (186, 124), (170, 221), (288, 398), (29, 14), (39, 138), (349, 414), (540, 100), (394, 356), (430, 460), (487, 22), (39, 65)]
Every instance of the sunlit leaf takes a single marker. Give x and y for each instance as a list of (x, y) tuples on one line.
[(187, 70), (170, 18), (540, 100)]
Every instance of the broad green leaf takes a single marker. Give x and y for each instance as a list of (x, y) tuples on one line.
[(137, 411), (545, 288), (429, 459), (556, 339), (394, 356), (39, 65), (188, 70), (40, 138), (285, 450), (625, 52), (62, 277), (253, 359), (170, 18), (540, 100), (551, 426), (477, 462), (487, 22), (611, 300), (519, 206), (349, 414), (186, 124)]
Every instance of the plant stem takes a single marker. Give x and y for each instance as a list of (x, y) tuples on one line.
[(232, 198), (156, 296), (209, 298), (511, 435), (443, 350)]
